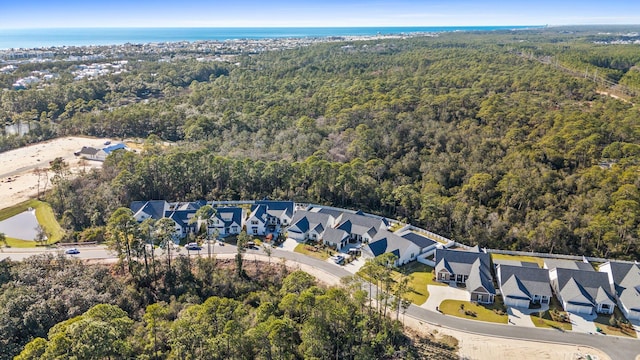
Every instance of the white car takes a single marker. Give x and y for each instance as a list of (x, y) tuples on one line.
[(72, 251)]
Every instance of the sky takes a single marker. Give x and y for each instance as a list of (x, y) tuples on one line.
[(315, 13)]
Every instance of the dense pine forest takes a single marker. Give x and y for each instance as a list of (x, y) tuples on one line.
[(483, 137)]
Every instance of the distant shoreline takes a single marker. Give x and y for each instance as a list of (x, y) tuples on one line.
[(26, 39)]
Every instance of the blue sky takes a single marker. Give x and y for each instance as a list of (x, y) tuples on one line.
[(273, 13)]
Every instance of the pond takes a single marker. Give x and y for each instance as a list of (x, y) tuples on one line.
[(22, 226)]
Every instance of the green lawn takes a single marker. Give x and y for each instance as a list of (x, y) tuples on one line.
[(320, 254), (420, 276), (483, 312), (602, 321), (45, 217), (546, 320), (537, 260)]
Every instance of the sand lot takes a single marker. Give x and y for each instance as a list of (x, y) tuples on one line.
[(17, 179)]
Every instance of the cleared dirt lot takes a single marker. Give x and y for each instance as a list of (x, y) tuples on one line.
[(17, 179)]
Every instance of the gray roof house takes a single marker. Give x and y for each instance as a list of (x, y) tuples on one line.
[(422, 241), (582, 292), (154, 209), (360, 227), (309, 225), (227, 221), (567, 264), (471, 269), (521, 286), (280, 212), (335, 237), (385, 241), (624, 279)]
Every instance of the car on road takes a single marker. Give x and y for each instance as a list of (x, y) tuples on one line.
[(338, 259), (72, 251), (193, 246)]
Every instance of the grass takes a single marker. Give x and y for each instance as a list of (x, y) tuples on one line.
[(547, 322), (532, 259), (420, 275), (45, 217), (483, 312), (320, 254), (602, 321)]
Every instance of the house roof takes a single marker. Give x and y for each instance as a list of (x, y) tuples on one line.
[(583, 287), (259, 212), (517, 280), (109, 149), (359, 224), (526, 264), (154, 208), (333, 212), (420, 240), (626, 277), (334, 236), (181, 217), (476, 265), (229, 215), (88, 150), (385, 241), (304, 221), (567, 264), (277, 208)]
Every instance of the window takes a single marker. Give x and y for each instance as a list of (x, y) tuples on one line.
[(254, 222), (235, 229), (255, 230)]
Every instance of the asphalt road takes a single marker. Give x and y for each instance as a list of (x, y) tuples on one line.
[(615, 347)]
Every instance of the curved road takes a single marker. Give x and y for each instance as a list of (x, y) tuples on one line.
[(615, 347)]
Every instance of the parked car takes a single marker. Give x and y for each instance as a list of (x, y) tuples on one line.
[(338, 259), (72, 251), (193, 246)]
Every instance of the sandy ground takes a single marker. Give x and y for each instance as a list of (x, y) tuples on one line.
[(17, 179)]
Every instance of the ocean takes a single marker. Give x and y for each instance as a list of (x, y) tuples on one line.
[(42, 38)]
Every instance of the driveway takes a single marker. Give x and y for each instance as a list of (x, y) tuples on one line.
[(583, 323), (437, 294), (520, 316), (289, 244)]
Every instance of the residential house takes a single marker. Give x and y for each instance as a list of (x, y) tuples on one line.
[(624, 279), (258, 220), (91, 153), (421, 241), (280, 213), (335, 238), (308, 225), (152, 209), (183, 222), (385, 241), (467, 268), (582, 291), (226, 221), (522, 286), (360, 227), (567, 264)]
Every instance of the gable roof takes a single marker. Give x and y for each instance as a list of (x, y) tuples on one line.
[(420, 240), (385, 241), (154, 208), (626, 278), (334, 236), (583, 287), (277, 208), (109, 149), (259, 212), (475, 265), (359, 224), (181, 217), (567, 264), (304, 221), (517, 280), (229, 215), (88, 150)]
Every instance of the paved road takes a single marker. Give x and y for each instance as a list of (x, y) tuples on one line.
[(615, 347)]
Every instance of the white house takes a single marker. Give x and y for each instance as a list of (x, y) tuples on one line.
[(385, 241), (582, 292), (226, 221), (624, 279)]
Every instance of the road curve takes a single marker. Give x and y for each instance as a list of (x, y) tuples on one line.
[(615, 347)]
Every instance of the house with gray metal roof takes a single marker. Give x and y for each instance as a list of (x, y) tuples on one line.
[(226, 221), (582, 292), (624, 279), (385, 241), (567, 264), (152, 209), (522, 286), (335, 238), (308, 225), (279, 212), (420, 240), (469, 269), (361, 228)]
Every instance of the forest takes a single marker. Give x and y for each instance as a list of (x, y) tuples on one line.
[(192, 308), (468, 135)]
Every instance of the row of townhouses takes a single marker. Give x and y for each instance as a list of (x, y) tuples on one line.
[(579, 288)]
